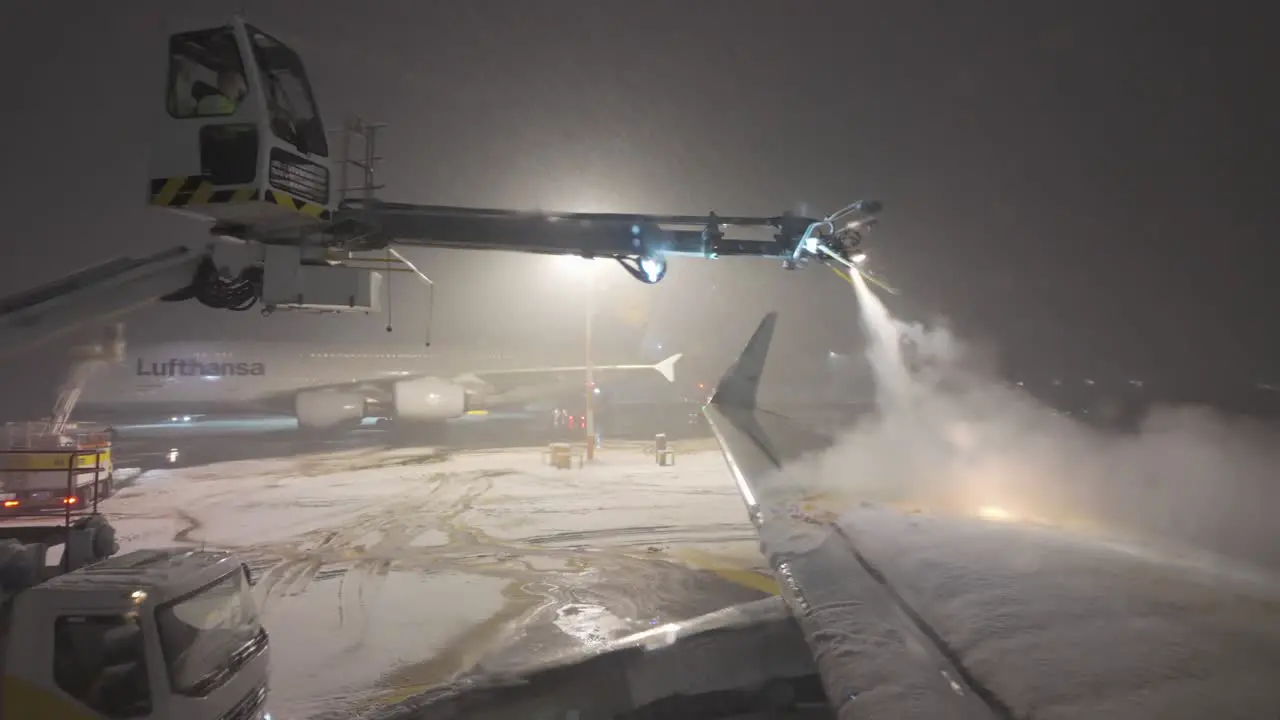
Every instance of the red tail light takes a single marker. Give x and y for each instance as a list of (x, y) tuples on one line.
[(69, 500), (11, 503)]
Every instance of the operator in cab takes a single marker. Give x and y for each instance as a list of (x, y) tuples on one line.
[(231, 90), (208, 78)]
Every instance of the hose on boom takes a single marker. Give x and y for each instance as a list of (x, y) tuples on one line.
[(212, 289)]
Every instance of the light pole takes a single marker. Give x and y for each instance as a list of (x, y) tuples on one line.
[(585, 269), (589, 420)]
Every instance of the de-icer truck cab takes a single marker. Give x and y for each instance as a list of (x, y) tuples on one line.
[(147, 635)]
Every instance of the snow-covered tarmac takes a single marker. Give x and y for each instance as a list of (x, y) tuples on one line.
[(383, 571), (386, 571)]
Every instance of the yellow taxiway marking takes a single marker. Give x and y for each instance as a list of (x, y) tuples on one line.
[(728, 568)]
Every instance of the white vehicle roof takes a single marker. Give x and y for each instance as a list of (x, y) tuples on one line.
[(163, 574)]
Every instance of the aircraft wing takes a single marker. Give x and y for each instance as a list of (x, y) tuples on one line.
[(492, 387), (917, 615), (517, 385), (873, 659)]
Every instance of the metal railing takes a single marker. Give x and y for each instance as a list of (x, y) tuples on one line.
[(71, 498), (72, 506)]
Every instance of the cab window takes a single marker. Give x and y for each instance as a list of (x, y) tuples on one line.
[(206, 75), (207, 635), (100, 660), (290, 102)]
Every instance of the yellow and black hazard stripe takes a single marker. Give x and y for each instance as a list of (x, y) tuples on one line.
[(195, 190), (284, 200)]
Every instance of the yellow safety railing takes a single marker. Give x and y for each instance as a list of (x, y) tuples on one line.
[(75, 454)]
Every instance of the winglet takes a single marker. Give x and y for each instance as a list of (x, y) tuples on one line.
[(739, 386), (668, 367)]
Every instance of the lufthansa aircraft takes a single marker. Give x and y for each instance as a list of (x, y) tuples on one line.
[(326, 387)]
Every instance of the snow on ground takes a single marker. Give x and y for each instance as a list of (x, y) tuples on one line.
[(384, 569)]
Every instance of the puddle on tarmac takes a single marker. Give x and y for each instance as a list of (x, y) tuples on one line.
[(430, 538), (344, 631), (593, 626), (557, 612), (409, 595)]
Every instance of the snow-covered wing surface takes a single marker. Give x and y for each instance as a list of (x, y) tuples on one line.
[(874, 659), (1063, 626), (911, 616)]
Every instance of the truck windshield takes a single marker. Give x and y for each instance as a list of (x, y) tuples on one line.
[(292, 107), (206, 77), (208, 634)]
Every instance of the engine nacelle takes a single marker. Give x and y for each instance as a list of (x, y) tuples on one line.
[(428, 398), (327, 408)]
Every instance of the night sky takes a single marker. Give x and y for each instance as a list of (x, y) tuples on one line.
[(1088, 187)]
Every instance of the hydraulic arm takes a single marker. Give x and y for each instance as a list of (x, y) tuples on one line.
[(641, 243), (243, 145)]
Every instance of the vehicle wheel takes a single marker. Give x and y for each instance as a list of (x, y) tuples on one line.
[(19, 569), (104, 536)]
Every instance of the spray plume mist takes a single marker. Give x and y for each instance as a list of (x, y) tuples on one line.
[(950, 438)]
